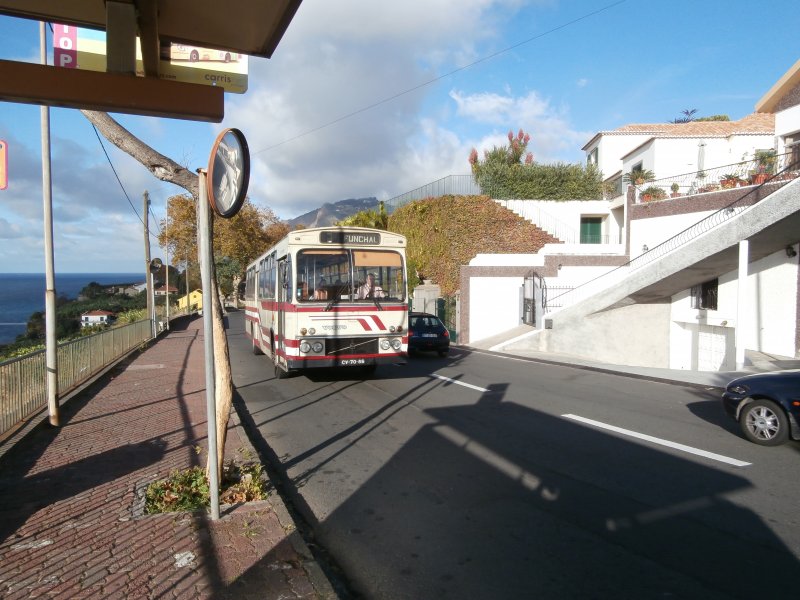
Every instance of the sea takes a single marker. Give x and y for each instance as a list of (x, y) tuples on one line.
[(22, 294)]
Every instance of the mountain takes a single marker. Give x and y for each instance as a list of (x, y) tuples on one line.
[(330, 213)]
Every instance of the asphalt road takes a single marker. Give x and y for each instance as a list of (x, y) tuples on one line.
[(478, 476)]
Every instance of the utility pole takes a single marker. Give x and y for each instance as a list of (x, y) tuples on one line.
[(51, 343), (147, 272)]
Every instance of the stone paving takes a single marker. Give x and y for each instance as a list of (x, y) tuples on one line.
[(71, 522)]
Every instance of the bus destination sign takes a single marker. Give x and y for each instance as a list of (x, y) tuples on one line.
[(354, 238)]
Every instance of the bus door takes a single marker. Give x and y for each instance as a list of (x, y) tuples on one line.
[(283, 295)]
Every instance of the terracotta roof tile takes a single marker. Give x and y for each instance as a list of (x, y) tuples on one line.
[(752, 123)]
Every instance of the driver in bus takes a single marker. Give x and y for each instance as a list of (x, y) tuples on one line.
[(320, 293), (368, 289)]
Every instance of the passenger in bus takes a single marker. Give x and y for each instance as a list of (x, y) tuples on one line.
[(368, 289), (320, 293)]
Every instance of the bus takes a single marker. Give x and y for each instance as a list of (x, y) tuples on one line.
[(329, 297)]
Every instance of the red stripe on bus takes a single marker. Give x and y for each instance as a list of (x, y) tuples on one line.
[(378, 322)]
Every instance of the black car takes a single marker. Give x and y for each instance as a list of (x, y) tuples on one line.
[(766, 405), (427, 332)]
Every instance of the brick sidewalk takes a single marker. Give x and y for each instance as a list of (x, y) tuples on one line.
[(70, 515)]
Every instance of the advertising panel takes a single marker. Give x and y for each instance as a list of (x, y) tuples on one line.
[(79, 48)]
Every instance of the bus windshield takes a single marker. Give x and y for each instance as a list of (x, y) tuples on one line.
[(325, 275)]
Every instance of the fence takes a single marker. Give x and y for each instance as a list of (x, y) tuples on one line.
[(741, 174), (23, 380), (447, 311), (456, 185)]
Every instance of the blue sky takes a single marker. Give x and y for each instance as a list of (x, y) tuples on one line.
[(574, 67)]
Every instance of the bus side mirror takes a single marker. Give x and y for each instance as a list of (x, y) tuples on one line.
[(242, 288)]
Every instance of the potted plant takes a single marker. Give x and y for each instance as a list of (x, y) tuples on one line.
[(765, 166), (653, 193), (674, 187), (730, 180), (638, 177)]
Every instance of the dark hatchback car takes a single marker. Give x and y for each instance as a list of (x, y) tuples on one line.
[(427, 332), (766, 406)]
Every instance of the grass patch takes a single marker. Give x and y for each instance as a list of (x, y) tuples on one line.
[(188, 489)]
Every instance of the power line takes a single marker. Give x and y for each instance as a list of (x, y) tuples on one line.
[(124, 191), (440, 77)]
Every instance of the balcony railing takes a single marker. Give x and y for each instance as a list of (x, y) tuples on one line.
[(741, 174)]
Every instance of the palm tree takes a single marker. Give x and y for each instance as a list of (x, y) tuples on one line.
[(638, 176)]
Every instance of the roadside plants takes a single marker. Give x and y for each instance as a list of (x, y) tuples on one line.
[(188, 489)]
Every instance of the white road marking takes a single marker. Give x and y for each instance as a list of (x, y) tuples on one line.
[(660, 442), (469, 385)]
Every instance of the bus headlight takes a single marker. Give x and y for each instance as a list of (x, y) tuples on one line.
[(385, 345), (303, 331), (316, 347), (397, 344), (392, 329), (304, 347), (312, 331)]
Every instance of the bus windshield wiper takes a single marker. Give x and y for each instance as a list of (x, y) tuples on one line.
[(334, 301), (378, 304)]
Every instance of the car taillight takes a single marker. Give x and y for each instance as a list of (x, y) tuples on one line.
[(446, 333)]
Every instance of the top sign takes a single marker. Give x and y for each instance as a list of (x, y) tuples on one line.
[(79, 48), (354, 238), (228, 173)]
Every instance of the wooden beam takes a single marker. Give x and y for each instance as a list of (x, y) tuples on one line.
[(148, 38), (32, 83)]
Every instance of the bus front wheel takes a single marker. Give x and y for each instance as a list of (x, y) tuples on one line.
[(279, 372)]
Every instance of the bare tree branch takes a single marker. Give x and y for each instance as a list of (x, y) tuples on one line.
[(159, 165)]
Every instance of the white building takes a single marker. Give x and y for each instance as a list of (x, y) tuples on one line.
[(96, 317), (678, 302)]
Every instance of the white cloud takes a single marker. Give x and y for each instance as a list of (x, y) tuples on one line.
[(552, 137)]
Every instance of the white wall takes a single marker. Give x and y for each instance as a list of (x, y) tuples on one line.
[(771, 314), (613, 147), (655, 230), (495, 305), (786, 122)]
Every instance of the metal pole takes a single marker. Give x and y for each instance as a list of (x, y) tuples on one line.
[(204, 233), (741, 304), (148, 275), (51, 343), (166, 250)]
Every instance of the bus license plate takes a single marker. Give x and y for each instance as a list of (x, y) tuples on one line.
[(353, 361)]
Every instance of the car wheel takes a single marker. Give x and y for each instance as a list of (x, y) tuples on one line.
[(764, 422)]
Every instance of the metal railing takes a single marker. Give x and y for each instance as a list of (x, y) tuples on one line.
[(451, 185), (741, 174), (748, 198), (23, 380)]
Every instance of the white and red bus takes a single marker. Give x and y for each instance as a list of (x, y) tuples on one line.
[(329, 297)]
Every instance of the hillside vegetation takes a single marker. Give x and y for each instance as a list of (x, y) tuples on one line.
[(448, 231)]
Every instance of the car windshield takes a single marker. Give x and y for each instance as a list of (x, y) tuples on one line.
[(425, 322), (333, 275)]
